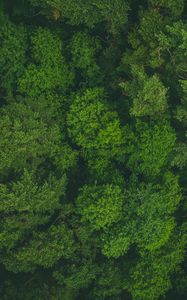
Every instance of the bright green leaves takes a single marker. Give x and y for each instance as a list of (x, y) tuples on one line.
[(141, 214), (49, 71), (116, 242), (83, 118), (94, 128), (100, 206), (152, 99), (149, 147), (91, 124), (148, 94), (12, 53), (151, 23)]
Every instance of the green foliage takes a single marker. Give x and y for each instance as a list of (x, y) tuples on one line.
[(149, 146), (172, 42), (171, 6), (180, 156), (84, 50), (34, 288), (44, 249), (29, 205), (143, 40), (77, 277), (13, 40), (27, 140), (116, 241), (148, 94), (146, 217), (35, 159), (180, 151), (93, 149), (100, 206), (114, 12), (154, 207), (94, 128), (49, 71), (109, 282), (181, 110), (151, 274)]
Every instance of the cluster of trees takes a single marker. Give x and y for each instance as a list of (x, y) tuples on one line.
[(93, 151)]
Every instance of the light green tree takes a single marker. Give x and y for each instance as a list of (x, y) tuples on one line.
[(148, 94), (100, 206)]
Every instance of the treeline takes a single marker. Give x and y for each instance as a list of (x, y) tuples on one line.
[(93, 151)]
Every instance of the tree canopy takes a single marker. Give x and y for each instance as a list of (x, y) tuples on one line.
[(93, 151)]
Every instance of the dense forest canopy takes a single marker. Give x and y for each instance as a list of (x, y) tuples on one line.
[(93, 150)]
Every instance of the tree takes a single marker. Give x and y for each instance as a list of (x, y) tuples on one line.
[(48, 71), (147, 217), (180, 150), (151, 275), (100, 206), (33, 173), (144, 47), (148, 94), (157, 203), (84, 50), (90, 13), (171, 7), (172, 44), (27, 141), (13, 40), (149, 146), (92, 149), (181, 110), (109, 282), (94, 128)]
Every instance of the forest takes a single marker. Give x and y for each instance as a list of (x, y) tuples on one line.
[(93, 149)]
